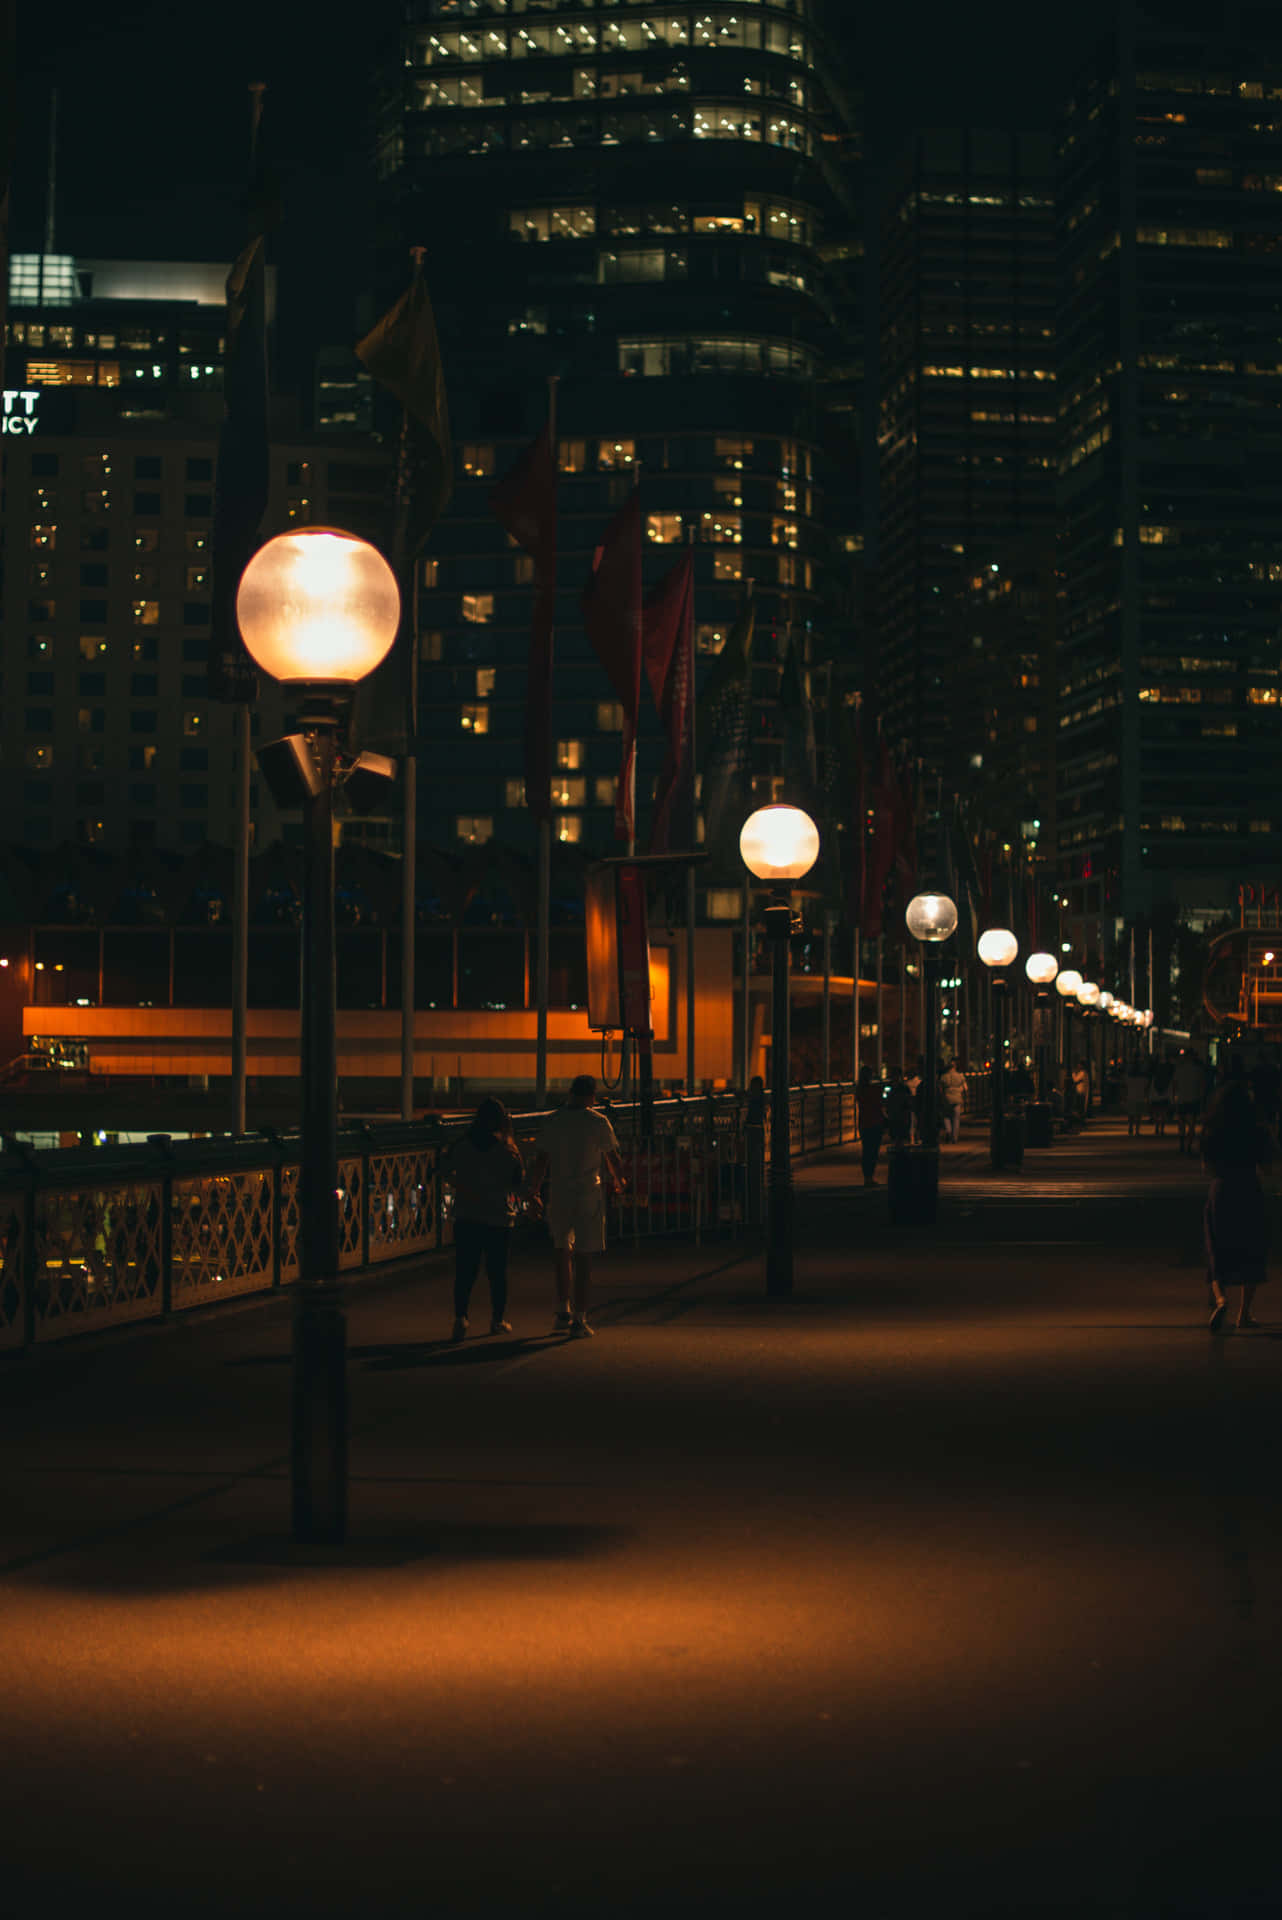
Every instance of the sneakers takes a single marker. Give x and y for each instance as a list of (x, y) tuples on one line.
[(579, 1328), (562, 1321), (500, 1326), (460, 1330)]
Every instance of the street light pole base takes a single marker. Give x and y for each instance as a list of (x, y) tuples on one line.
[(319, 1453)]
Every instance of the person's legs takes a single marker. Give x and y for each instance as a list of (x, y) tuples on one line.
[(869, 1148), (496, 1245), (469, 1241), (582, 1284), (564, 1270), (1244, 1318)]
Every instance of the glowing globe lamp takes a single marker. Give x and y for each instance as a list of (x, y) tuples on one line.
[(318, 607), (931, 917), (1041, 968), (1068, 983), (779, 843), (998, 947), (1088, 994), (1105, 1001)]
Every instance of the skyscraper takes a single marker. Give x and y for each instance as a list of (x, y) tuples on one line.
[(966, 433), (1170, 486), (636, 200)]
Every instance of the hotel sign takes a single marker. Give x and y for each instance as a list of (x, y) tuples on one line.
[(19, 414)]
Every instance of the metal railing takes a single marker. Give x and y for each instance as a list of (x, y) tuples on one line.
[(100, 1237)]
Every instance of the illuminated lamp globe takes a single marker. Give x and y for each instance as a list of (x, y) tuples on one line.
[(1148, 1016), (1088, 994), (931, 917), (997, 947), (1105, 1001), (1068, 983), (1041, 968), (779, 843), (318, 607)]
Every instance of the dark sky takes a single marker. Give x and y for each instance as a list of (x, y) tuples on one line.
[(152, 102)]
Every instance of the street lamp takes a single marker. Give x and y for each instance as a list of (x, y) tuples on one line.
[(779, 844), (931, 919), (998, 949), (1088, 999), (1066, 987), (318, 610), (1041, 969)]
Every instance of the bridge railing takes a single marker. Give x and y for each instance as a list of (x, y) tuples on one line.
[(99, 1237)]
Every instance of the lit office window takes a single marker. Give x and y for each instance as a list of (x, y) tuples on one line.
[(474, 719), (572, 456), (569, 792), (727, 564), (663, 529), (478, 608), (724, 903), (430, 571), (44, 537), (194, 725), (478, 461), (523, 570), (147, 613), (514, 793), (485, 677), (609, 716), (604, 788), (569, 753), (569, 828), (39, 757), (431, 645), (613, 455), (475, 828)]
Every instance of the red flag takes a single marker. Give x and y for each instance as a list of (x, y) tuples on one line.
[(612, 616), (667, 644), (524, 502)]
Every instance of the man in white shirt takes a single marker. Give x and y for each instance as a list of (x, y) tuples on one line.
[(571, 1148)]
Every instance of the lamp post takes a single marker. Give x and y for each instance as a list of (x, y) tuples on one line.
[(931, 919), (1066, 985), (318, 610), (1087, 997), (779, 844), (1041, 969), (998, 949)]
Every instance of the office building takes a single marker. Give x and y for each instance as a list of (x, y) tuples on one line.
[(1170, 706), (637, 201), (966, 443)]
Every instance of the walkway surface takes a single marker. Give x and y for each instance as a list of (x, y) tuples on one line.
[(952, 1584)]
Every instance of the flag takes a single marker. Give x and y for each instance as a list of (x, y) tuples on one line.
[(242, 475), (667, 645), (612, 615), (401, 352), (724, 726), (800, 757), (524, 503)]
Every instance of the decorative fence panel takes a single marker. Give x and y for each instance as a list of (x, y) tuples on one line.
[(223, 1228), (98, 1255)]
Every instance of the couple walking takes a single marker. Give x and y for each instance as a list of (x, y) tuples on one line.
[(485, 1167)]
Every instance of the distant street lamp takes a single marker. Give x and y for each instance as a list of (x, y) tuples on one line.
[(318, 610), (1041, 969), (931, 919), (779, 844), (998, 949)]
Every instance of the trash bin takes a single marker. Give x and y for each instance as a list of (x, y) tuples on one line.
[(1037, 1124), (1011, 1144), (912, 1186)]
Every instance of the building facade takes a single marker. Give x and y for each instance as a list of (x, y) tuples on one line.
[(1170, 706), (637, 202), (966, 443)]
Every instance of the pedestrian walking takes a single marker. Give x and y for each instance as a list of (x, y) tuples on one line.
[(1188, 1083), (572, 1149), (870, 1106), (913, 1081), (1163, 1074), (1235, 1222), (1137, 1095), (952, 1086), (485, 1169), (1081, 1091), (899, 1109)]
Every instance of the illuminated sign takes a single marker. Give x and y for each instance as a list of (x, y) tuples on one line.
[(19, 410)]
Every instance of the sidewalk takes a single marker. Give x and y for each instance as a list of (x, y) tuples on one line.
[(950, 1583)]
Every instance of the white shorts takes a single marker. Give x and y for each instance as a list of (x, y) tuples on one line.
[(576, 1219)]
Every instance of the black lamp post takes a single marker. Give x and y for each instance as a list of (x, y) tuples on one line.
[(1087, 997), (998, 949), (1041, 969), (931, 918), (1066, 985), (779, 844), (318, 610)]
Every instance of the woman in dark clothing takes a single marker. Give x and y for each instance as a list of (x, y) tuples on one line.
[(869, 1105), (485, 1170), (1234, 1147)]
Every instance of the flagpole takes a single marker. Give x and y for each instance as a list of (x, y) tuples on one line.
[(854, 1011), (544, 909), (881, 991), (409, 780), (745, 987), (240, 864), (826, 1066)]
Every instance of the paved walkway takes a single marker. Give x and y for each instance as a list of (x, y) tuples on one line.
[(950, 1584)]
